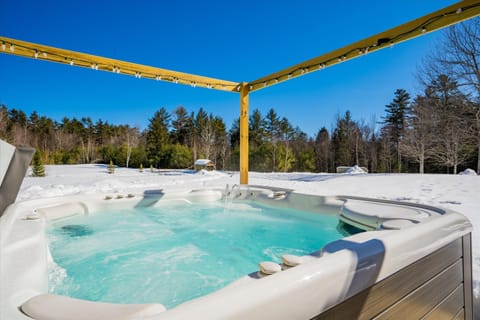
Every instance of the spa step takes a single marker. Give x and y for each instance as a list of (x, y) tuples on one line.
[(55, 307)]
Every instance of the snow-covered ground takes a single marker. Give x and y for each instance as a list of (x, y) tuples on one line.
[(458, 192)]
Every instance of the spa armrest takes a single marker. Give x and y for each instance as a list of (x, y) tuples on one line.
[(56, 307)]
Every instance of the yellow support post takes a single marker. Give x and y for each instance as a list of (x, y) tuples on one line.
[(244, 133)]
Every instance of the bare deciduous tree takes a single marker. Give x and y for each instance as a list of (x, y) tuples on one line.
[(459, 56), (419, 135), (132, 136), (452, 134)]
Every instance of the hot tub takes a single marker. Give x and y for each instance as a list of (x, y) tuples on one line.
[(411, 261)]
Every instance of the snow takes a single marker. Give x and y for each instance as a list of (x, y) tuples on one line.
[(202, 162), (469, 172), (457, 192), (355, 170)]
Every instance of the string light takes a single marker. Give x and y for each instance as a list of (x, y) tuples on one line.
[(380, 43), (95, 66)]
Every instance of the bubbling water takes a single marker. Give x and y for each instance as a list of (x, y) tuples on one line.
[(173, 253)]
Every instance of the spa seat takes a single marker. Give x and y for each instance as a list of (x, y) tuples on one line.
[(372, 216), (55, 307)]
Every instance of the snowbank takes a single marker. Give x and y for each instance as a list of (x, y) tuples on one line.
[(468, 172), (355, 170)]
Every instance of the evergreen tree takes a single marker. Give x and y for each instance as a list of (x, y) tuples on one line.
[(111, 167), (340, 141), (18, 127), (180, 126), (178, 156), (141, 168), (256, 130), (4, 122), (395, 121), (286, 133), (234, 133), (203, 133), (322, 150), (191, 136), (272, 134), (220, 142), (286, 160), (303, 152), (38, 169), (88, 139), (157, 136)]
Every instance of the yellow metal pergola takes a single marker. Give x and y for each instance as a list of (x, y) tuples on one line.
[(434, 21)]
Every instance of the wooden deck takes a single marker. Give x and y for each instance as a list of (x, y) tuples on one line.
[(438, 286)]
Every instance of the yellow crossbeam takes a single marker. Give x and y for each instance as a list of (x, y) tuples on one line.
[(52, 54), (439, 19)]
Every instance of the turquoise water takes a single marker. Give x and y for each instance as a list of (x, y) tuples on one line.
[(172, 254)]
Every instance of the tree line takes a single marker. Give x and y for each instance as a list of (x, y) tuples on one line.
[(438, 130)]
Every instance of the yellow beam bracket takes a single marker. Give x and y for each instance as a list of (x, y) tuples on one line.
[(52, 54), (439, 19)]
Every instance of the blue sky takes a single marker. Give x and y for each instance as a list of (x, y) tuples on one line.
[(237, 41)]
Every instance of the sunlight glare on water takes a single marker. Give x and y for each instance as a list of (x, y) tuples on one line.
[(174, 253)]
